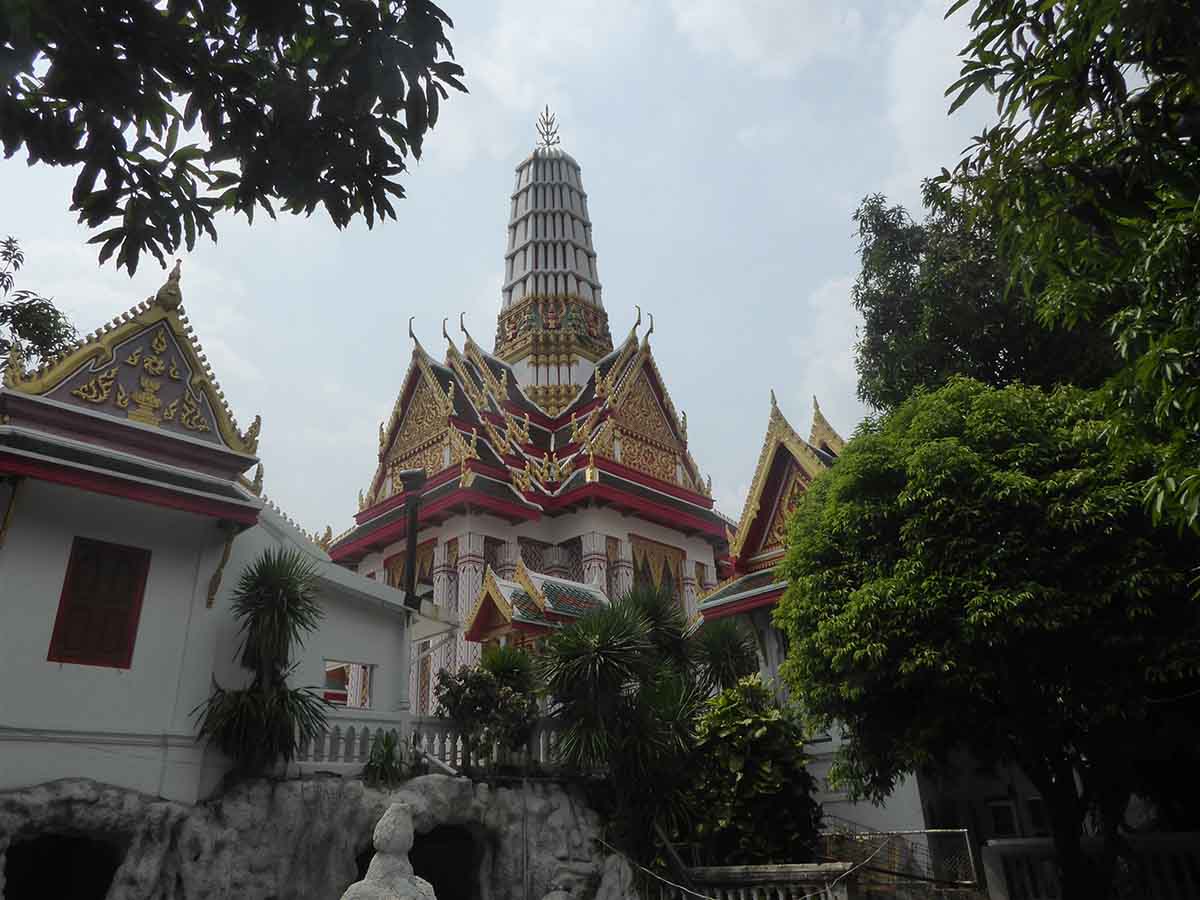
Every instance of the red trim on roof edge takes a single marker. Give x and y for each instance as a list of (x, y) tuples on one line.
[(117, 487)]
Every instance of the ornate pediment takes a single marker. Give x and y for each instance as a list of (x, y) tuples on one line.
[(803, 462), (793, 483), (144, 367)]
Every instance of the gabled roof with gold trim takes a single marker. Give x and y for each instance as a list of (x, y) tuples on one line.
[(145, 367), (533, 599), (469, 414), (780, 437)]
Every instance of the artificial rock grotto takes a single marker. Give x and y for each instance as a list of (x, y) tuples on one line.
[(310, 839)]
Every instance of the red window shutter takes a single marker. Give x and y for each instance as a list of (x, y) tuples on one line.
[(100, 604)]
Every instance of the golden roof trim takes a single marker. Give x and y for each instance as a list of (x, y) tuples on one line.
[(100, 344), (779, 434), (489, 587)]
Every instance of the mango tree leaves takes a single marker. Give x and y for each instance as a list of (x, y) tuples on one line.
[(174, 111)]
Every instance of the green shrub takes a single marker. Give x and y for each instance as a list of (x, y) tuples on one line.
[(387, 765), (753, 799)]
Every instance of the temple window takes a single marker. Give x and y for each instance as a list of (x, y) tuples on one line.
[(100, 605), (348, 684)]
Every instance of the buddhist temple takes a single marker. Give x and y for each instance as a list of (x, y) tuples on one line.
[(558, 454), (787, 464)]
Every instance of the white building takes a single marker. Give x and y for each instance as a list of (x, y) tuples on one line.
[(125, 520)]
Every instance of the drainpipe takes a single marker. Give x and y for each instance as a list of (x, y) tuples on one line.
[(413, 480)]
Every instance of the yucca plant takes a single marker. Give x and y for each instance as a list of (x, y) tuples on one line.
[(723, 652), (386, 766), (256, 726)]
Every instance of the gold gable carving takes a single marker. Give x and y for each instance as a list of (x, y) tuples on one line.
[(780, 438), (794, 485), (148, 342), (640, 413), (421, 436)]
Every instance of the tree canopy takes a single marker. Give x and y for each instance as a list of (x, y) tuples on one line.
[(935, 303), (979, 571), (1092, 175), (304, 104), (28, 321)]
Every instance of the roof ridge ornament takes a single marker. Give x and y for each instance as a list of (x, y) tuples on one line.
[(169, 296), (547, 128)]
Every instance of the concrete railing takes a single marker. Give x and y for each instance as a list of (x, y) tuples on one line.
[(345, 745), (1162, 867), (801, 881)]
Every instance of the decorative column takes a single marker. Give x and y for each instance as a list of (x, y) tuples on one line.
[(595, 559), (555, 561), (445, 598), (509, 556), (623, 568), (470, 582), (442, 577), (690, 603)]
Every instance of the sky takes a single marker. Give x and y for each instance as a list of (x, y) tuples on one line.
[(725, 145)]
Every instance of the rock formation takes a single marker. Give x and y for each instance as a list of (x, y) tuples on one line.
[(302, 839)]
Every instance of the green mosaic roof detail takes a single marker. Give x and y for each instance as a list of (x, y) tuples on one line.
[(571, 599)]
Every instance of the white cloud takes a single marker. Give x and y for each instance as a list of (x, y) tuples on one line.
[(765, 135), (922, 63), (523, 61), (824, 359), (774, 37)]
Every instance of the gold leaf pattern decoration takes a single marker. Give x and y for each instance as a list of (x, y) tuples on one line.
[(122, 397), (190, 416), (789, 498), (98, 389), (647, 458), (134, 358), (640, 413), (147, 402), (661, 563), (160, 342), (169, 413), (174, 372)]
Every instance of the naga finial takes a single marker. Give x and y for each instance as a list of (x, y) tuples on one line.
[(445, 334), (651, 330), (411, 334), (169, 296), (774, 402)]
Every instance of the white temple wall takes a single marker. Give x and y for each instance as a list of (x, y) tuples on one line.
[(134, 727), (125, 726)]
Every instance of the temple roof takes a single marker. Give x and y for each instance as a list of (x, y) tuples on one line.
[(472, 428), (133, 409), (532, 599)]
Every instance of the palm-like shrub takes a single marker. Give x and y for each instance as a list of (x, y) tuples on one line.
[(627, 686), (723, 652), (256, 726)]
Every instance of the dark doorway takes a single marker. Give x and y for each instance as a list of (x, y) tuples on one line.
[(448, 857), (68, 866)]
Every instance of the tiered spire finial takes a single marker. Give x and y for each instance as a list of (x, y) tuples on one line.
[(547, 128)]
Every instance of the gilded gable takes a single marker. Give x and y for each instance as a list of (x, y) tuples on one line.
[(794, 483), (421, 439), (144, 367), (640, 413), (147, 379)]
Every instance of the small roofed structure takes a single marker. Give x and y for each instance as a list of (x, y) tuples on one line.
[(787, 464), (529, 607)]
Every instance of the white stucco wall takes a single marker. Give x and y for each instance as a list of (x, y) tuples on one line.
[(128, 726), (135, 727)]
